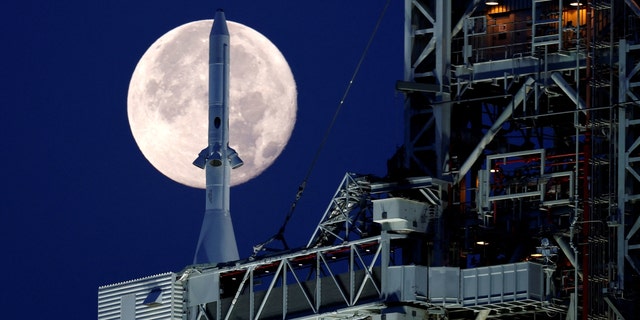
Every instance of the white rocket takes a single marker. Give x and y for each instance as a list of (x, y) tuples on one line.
[(217, 242)]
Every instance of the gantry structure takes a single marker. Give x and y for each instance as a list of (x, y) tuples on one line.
[(514, 195), (530, 109)]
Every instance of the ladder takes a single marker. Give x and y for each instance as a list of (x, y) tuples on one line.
[(546, 29)]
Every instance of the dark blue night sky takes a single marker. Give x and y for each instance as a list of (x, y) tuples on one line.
[(81, 206)]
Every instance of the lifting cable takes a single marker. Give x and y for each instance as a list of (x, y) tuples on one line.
[(280, 235)]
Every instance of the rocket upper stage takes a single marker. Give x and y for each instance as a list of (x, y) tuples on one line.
[(219, 28), (217, 241), (218, 133)]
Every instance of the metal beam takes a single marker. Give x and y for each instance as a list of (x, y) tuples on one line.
[(633, 6), (488, 70), (495, 128), (622, 163), (566, 88), (567, 252)]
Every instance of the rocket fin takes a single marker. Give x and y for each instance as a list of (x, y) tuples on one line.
[(202, 158), (234, 158)]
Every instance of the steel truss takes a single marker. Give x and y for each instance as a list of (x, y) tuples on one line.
[(349, 215), (628, 218), (363, 278), (307, 282), (578, 87)]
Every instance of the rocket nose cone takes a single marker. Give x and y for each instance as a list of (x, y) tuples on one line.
[(219, 24)]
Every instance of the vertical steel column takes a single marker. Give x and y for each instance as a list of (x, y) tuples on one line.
[(586, 177), (251, 295), (385, 255), (427, 60), (622, 159), (409, 38), (442, 108)]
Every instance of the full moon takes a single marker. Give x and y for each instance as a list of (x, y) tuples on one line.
[(168, 101)]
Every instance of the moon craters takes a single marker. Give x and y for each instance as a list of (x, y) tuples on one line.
[(168, 101)]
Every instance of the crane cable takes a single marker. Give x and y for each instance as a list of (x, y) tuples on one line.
[(302, 186)]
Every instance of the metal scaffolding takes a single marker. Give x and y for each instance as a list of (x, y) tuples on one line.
[(514, 196), (541, 120)]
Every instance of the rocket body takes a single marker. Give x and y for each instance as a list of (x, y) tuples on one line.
[(217, 241)]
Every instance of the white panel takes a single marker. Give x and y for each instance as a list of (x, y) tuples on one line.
[(401, 215), (444, 285), (501, 283), (407, 283), (395, 282), (128, 307), (203, 288)]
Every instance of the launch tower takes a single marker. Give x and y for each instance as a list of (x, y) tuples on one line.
[(514, 195)]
